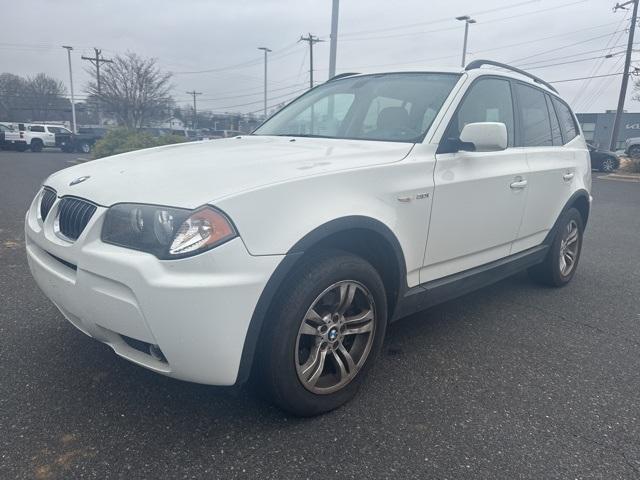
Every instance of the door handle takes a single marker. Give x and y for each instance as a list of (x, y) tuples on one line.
[(520, 184), (568, 176)]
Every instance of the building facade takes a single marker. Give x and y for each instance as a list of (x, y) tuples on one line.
[(597, 128)]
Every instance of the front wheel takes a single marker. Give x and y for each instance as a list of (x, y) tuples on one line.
[(323, 333), (607, 165), (634, 151), (561, 262)]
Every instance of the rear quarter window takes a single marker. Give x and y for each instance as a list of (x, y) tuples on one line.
[(567, 121)]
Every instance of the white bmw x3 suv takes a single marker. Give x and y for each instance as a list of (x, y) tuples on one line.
[(285, 254)]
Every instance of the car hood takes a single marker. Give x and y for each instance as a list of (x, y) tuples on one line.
[(192, 174)]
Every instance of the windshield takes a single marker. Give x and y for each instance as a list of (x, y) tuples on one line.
[(397, 107)]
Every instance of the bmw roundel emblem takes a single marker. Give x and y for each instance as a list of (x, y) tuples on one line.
[(79, 180)]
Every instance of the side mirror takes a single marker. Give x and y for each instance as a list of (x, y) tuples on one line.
[(485, 136)]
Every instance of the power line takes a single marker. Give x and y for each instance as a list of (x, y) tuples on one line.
[(480, 23), (556, 7), (598, 65), (260, 101), (552, 59), (559, 47), (585, 78), (432, 22), (574, 61), (279, 54)]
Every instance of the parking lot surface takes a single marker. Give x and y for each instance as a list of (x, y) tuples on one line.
[(512, 381)]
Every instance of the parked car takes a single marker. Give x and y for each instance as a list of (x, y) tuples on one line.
[(83, 141), (632, 147), (286, 253), (603, 160)]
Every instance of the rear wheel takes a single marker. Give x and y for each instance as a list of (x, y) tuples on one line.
[(85, 147), (36, 145), (323, 333), (561, 262)]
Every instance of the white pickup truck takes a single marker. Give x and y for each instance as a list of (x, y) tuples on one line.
[(11, 138), (38, 135)]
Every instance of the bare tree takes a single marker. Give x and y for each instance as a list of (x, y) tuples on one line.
[(12, 97), (44, 95), (133, 88), (35, 98)]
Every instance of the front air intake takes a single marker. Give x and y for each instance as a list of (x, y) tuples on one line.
[(73, 216)]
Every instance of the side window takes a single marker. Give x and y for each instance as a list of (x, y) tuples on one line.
[(567, 122), (535, 123), (36, 128), (556, 134), (488, 100)]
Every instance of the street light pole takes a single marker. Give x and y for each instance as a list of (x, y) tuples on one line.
[(467, 20), (73, 103), (266, 51), (333, 47)]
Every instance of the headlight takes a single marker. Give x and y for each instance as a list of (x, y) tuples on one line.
[(166, 232)]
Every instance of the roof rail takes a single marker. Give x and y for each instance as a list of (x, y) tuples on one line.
[(479, 63), (342, 75)]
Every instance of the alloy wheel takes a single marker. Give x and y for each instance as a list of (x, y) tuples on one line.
[(569, 246), (335, 337), (608, 165)]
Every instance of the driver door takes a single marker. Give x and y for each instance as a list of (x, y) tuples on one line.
[(479, 197)]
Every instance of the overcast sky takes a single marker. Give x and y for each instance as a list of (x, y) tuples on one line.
[(566, 37)]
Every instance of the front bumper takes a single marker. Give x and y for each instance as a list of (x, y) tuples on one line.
[(196, 310)]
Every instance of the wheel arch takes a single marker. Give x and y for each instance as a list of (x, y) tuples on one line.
[(360, 235), (581, 201)]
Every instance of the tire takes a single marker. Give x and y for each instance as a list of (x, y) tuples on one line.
[(306, 318), (84, 147), (634, 151), (552, 271), (36, 146), (607, 165)]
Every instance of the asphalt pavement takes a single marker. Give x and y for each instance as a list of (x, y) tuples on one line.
[(512, 381)]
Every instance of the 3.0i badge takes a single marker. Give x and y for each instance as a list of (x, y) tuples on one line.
[(79, 180)]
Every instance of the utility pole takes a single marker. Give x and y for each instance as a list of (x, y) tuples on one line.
[(311, 39), (625, 73), (73, 102), (195, 111), (467, 20), (96, 61), (266, 51), (333, 46)]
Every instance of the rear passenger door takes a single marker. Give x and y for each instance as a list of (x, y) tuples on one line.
[(477, 203), (546, 133)]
